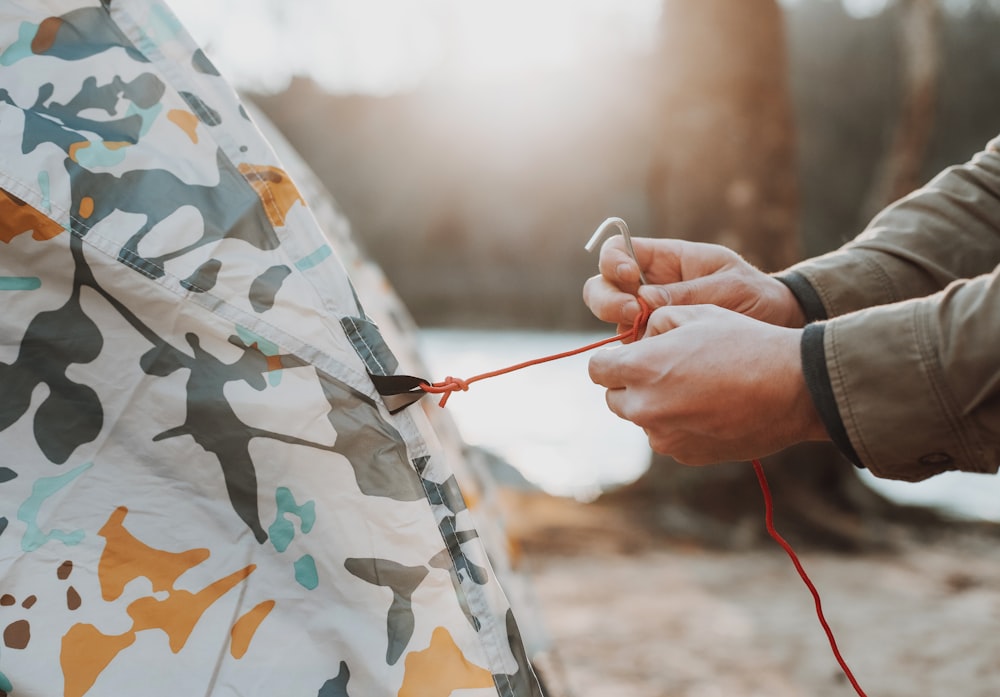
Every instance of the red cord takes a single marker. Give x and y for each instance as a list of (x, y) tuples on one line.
[(450, 384), (769, 522)]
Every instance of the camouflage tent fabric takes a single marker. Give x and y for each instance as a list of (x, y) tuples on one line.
[(200, 490)]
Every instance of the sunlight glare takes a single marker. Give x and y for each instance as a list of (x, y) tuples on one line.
[(385, 46), (509, 39), (865, 8)]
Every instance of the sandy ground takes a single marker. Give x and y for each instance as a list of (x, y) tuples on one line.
[(666, 620)]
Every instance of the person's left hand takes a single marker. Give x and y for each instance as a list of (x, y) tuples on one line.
[(709, 385)]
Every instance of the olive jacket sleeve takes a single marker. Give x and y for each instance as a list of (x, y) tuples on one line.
[(903, 360)]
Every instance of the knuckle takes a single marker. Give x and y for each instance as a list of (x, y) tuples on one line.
[(670, 442), (676, 295), (660, 443), (647, 417)]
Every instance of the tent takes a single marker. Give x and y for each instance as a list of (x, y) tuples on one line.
[(202, 492)]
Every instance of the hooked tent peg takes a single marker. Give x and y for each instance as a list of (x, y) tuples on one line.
[(602, 232)]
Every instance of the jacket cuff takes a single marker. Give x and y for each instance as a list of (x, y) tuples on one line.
[(808, 298), (876, 277), (895, 397), (818, 381)]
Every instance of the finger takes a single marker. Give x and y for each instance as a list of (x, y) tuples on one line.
[(618, 266), (708, 290), (616, 401), (627, 404), (608, 302), (607, 368)]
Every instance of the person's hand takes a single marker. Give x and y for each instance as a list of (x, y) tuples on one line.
[(679, 272), (709, 385)]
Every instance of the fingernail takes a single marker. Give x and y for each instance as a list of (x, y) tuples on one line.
[(630, 311), (625, 272)]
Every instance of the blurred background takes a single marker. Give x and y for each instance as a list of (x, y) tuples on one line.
[(474, 146)]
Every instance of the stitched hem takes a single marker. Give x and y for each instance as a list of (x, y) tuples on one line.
[(818, 381)]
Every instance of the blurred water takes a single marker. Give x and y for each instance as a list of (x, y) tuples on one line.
[(551, 423), (548, 421), (963, 494)]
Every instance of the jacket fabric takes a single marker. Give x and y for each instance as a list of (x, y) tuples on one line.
[(903, 361)]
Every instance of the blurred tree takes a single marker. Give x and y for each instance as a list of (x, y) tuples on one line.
[(845, 83), (920, 52), (725, 172), (724, 167)]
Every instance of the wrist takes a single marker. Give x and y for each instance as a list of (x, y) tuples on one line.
[(804, 419), (810, 305), (788, 311)]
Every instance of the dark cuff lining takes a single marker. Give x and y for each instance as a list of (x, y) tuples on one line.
[(812, 306), (818, 381)]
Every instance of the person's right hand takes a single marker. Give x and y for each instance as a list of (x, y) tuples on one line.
[(679, 272), (709, 385)]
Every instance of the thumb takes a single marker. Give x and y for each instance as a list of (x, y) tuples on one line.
[(699, 291)]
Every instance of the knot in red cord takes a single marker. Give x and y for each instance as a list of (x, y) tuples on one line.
[(639, 328), (446, 387)]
